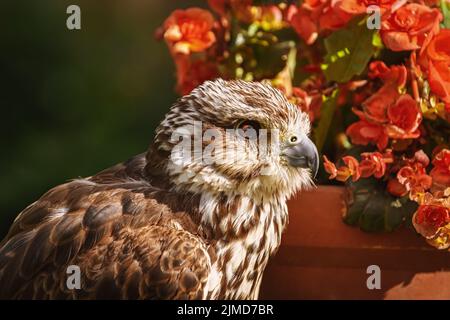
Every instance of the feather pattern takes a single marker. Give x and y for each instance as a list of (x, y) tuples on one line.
[(142, 230)]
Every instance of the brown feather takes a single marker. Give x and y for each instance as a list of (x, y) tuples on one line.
[(137, 231)]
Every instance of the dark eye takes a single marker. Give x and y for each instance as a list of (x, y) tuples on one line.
[(248, 125), (248, 129)]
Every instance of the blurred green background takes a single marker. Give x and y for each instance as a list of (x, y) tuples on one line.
[(76, 102)]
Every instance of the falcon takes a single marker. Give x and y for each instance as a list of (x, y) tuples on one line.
[(154, 227)]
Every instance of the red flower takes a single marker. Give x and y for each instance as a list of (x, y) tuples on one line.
[(316, 15), (349, 169), (436, 60), (269, 14), (378, 69), (395, 188), (429, 218), (432, 215), (442, 160), (306, 27), (189, 30), (422, 158), (352, 167), (356, 7), (329, 167), (364, 132), (289, 12), (394, 78), (441, 170), (372, 164), (219, 6), (241, 9), (414, 178), (191, 74), (410, 27), (404, 117), (307, 103)]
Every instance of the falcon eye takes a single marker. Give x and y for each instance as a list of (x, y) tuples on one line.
[(248, 125), (248, 129)]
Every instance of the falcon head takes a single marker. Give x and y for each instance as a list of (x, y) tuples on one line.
[(237, 137)]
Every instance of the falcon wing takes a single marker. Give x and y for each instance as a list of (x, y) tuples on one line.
[(126, 244)]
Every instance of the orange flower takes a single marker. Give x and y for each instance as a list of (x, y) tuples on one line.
[(405, 118), (436, 60), (189, 30), (364, 132), (441, 171), (410, 27), (350, 169)]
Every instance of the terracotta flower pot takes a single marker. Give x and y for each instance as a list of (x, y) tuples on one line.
[(322, 258)]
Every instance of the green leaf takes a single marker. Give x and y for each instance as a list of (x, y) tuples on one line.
[(291, 60), (399, 211), (271, 59), (354, 211), (258, 55), (348, 52), (377, 42), (394, 215), (445, 8), (374, 210), (373, 215), (326, 118)]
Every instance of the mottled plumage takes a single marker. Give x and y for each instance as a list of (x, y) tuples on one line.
[(146, 229)]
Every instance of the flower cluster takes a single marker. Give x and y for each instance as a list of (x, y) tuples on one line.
[(379, 97), (237, 39), (401, 114)]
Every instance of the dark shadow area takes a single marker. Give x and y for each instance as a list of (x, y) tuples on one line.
[(76, 102)]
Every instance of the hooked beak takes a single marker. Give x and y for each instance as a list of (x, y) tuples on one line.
[(302, 153)]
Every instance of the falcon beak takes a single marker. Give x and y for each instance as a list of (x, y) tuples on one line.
[(301, 152)]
